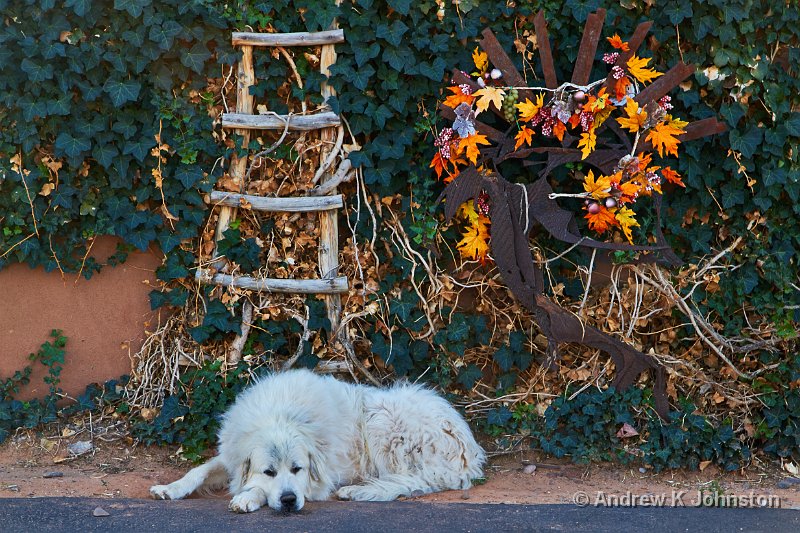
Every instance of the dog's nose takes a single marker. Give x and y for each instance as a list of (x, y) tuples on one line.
[(288, 500)]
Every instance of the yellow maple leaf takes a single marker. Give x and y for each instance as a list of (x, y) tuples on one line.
[(470, 146), (525, 135), (487, 96), (637, 67), (598, 188), (663, 138), (587, 143), (601, 116), (474, 242), (625, 218), (597, 103), (675, 122), (528, 109), (481, 60), (636, 116), (467, 212)]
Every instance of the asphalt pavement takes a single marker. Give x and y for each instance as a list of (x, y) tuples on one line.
[(67, 515)]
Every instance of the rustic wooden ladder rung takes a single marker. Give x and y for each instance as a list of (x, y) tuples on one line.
[(278, 122), (288, 39), (297, 204), (242, 122)]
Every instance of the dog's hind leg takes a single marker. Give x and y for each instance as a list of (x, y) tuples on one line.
[(209, 475), (386, 488)]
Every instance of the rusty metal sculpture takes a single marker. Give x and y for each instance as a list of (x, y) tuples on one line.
[(515, 208)]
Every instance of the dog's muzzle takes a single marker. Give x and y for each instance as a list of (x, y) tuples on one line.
[(289, 501)]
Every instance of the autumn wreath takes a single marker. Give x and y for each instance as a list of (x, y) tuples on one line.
[(571, 114)]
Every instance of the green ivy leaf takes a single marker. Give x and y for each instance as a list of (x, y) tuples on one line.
[(401, 6), (165, 33), (122, 91), (469, 375), (71, 146), (80, 7), (393, 33), (678, 11), (105, 154), (793, 124), (746, 143), (36, 72), (133, 7), (196, 57)]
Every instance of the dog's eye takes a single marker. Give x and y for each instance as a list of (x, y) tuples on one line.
[(296, 469), (270, 472)]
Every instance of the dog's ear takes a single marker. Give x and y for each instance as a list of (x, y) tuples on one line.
[(314, 462)]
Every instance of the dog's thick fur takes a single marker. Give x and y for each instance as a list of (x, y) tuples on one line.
[(298, 436)]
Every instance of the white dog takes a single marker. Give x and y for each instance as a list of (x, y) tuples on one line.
[(298, 436)]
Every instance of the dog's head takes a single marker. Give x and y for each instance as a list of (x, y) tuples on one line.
[(284, 463)]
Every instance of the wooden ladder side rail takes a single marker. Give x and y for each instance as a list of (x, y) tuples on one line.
[(238, 168), (328, 221)]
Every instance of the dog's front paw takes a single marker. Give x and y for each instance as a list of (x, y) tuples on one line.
[(245, 502), (164, 492), (356, 493)]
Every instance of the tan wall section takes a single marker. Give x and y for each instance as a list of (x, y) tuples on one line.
[(103, 318)]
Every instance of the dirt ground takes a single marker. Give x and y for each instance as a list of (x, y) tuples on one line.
[(39, 463)]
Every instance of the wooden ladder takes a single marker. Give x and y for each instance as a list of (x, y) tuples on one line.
[(330, 284)]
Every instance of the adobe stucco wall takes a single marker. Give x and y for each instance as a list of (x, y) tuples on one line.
[(104, 318)]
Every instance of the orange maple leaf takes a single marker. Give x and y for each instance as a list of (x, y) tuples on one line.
[(636, 116), (458, 97), (630, 190), (637, 66), (470, 146), (672, 176), (474, 242), (617, 42), (559, 130), (574, 120), (451, 175), (621, 87), (525, 135), (438, 163), (601, 221), (663, 138)]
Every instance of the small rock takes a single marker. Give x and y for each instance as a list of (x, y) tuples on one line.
[(12, 488), (99, 511), (529, 469), (50, 475), (642, 470), (80, 447)]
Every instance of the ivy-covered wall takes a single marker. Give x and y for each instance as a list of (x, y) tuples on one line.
[(105, 130)]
